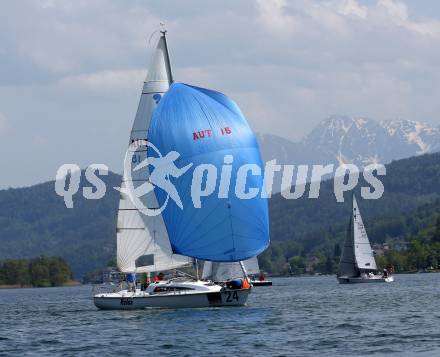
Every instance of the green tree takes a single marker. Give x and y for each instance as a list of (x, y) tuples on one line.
[(39, 272), (59, 272), (15, 272), (297, 265)]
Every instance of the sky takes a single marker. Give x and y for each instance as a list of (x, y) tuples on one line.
[(71, 72)]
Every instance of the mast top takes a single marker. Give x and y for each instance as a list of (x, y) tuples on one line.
[(161, 55), (163, 29)]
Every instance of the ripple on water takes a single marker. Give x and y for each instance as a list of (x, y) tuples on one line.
[(295, 317)]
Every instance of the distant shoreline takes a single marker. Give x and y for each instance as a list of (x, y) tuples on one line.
[(18, 286)]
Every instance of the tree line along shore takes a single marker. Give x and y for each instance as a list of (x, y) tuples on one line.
[(41, 271)]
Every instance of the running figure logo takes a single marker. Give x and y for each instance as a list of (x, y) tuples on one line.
[(163, 168)]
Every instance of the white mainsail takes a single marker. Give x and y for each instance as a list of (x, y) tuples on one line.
[(142, 240), (362, 248), (224, 271)]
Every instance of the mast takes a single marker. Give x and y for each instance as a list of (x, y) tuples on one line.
[(167, 56)]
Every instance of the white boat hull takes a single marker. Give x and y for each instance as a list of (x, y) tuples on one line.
[(173, 295), (173, 300), (361, 280)]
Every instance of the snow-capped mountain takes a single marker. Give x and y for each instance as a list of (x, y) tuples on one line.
[(342, 139), (420, 137)]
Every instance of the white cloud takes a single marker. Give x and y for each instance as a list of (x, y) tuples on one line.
[(64, 37), (110, 81), (353, 8), (395, 8), (272, 14), (288, 64), (398, 15)]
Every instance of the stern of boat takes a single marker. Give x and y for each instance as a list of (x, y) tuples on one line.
[(229, 297)]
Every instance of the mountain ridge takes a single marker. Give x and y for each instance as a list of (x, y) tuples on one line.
[(342, 139)]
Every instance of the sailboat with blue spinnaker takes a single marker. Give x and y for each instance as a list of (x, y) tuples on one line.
[(158, 230)]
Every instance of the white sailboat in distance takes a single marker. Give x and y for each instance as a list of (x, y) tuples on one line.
[(357, 264), (169, 237)]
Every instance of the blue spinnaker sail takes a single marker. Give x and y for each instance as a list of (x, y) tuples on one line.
[(203, 126)]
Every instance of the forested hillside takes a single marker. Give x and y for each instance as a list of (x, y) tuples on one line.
[(412, 239), (309, 228), (408, 184), (34, 221)]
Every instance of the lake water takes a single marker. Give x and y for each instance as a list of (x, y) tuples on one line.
[(307, 316)]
